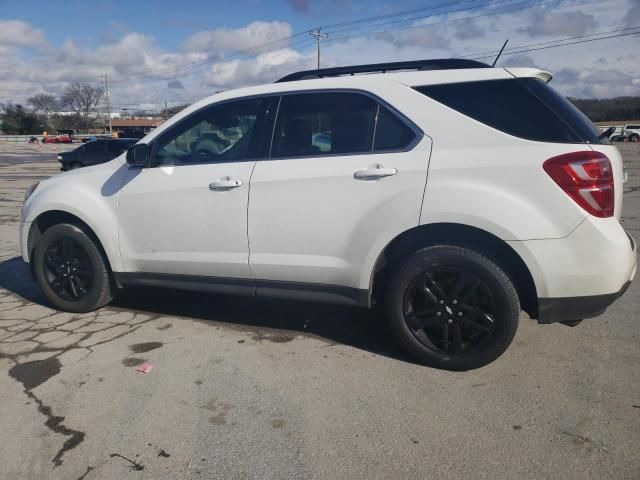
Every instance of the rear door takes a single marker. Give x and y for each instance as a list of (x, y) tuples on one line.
[(346, 173)]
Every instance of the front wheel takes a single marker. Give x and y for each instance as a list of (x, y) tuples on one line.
[(452, 308), (71, 270), (634, 137)]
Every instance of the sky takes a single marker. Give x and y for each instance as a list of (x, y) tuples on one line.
[(180, 51)]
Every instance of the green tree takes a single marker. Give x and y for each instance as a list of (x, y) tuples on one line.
[(18, 121)]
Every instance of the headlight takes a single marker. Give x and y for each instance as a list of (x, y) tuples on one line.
[(59, 157), (30, 190)]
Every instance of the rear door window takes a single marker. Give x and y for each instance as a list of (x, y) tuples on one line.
[(337, 123), (324, 123), (523, 107)]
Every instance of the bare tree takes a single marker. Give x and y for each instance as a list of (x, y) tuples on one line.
[(82, 98), (43, 103)]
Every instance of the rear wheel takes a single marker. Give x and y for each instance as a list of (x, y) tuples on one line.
[(75, 166), (71, 270), (634, 137), (452, 308)]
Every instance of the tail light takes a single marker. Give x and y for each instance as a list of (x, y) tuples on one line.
[(587, 178)]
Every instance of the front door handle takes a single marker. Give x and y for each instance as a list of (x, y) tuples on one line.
[(225, 183), (373, 173)]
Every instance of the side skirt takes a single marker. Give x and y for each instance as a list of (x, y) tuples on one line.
[(313, 292)]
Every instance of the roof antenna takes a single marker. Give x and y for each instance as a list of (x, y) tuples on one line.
[(499, 53)]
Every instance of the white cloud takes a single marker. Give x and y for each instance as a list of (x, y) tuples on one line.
[(632, 15), (468, 29), (570, 23), (143, 74), (20, 34), (263, 69), (237, 39)]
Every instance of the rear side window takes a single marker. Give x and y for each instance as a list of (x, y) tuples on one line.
[(524, 107), (95, 147), (633, 127), (334, 123), (324, 123), (116, 147), (391, 132)]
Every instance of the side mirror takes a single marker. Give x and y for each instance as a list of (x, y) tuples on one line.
[(138, 155)]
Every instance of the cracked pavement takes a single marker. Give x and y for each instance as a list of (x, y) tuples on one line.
[(265, 389)]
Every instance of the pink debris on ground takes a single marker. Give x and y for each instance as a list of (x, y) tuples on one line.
[(145, 368)]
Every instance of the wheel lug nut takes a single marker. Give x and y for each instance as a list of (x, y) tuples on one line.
[(438, 314), (441, 302), (455, 302), (459, 314), (450, 321)]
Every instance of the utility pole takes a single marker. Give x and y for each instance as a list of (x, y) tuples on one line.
[(166, 114), (106, 90), (318, 36)]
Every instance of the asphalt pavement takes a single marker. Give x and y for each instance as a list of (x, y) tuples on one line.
[(242, 388)]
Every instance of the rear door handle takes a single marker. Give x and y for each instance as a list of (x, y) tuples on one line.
[(373, 173), (225, 183)]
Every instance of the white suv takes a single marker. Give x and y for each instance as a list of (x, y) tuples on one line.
[(453, 193), (632, 132)]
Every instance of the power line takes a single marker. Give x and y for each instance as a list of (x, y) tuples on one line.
[(565, 44), (225, 59), (528, 47), (448, 21), (489, 4), (396, 14), (241, 52), (493, 52)]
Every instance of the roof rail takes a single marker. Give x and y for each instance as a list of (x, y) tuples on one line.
[(441, 64)]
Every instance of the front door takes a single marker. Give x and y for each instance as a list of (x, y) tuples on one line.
[(186, 214)]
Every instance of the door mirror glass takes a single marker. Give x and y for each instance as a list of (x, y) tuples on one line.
[(138, 155)]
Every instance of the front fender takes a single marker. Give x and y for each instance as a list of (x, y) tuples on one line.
[(90, 195)]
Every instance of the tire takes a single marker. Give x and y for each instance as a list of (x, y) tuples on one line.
[(71, 270), (75, 166), (452, 308), (634, 137)]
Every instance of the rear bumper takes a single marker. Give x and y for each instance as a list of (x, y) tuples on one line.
[(598, 258), (552, 310), (562, 309)]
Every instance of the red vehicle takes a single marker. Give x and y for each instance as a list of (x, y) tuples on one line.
[(61, 136)]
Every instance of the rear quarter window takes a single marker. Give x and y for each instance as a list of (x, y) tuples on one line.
[(523, 107)]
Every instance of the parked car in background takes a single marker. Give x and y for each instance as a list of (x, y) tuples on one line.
[(61, 136), (131, 132), (613, 133), (94, 152), (632, 132)]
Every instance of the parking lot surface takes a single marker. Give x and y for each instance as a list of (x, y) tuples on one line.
[(264, 389)]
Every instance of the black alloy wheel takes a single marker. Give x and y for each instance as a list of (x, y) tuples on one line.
[(68, 269), (449, 310), (451, 307), (71, 269)]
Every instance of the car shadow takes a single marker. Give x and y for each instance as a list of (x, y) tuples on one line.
[(266, 319)]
